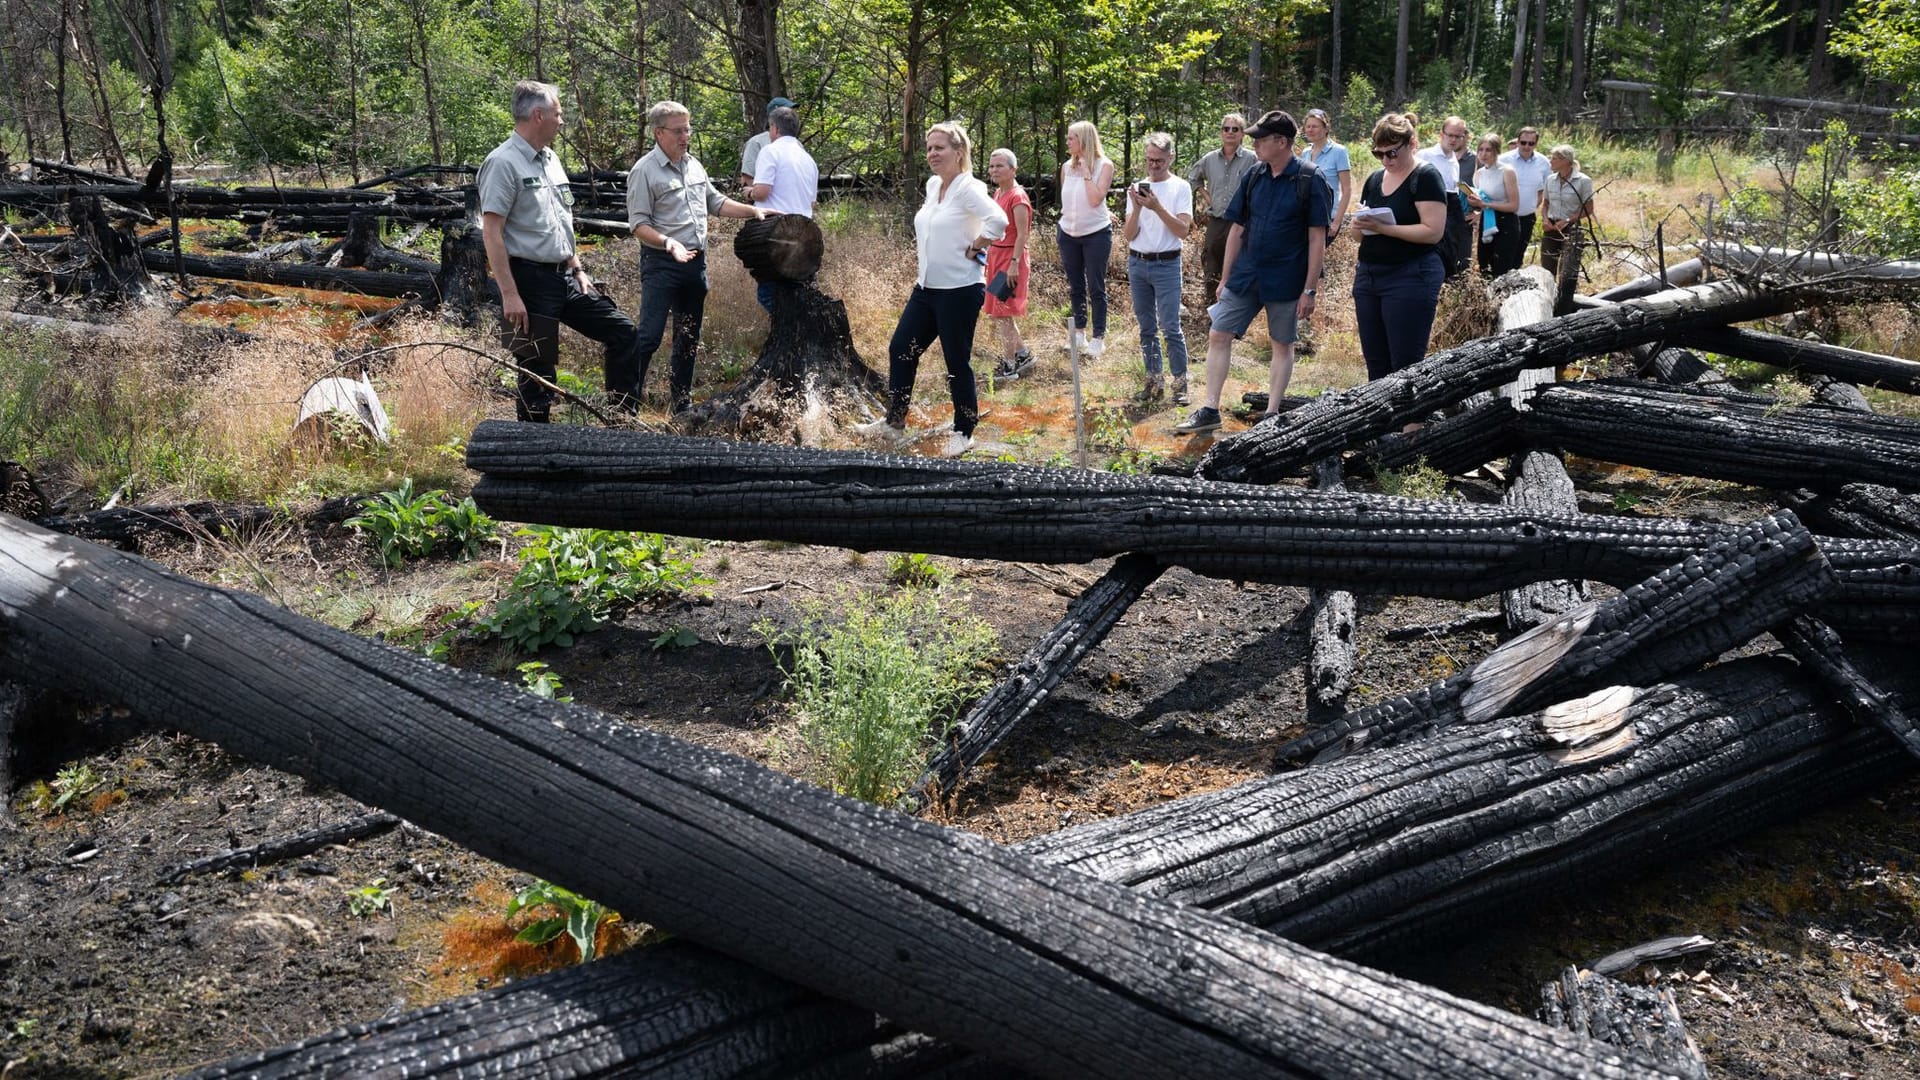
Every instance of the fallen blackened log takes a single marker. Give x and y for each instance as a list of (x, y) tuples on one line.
[(1539, 482), (285, 847), (1756, 261), (1379, 851), (1852, 365), (1345, 419), (1679, 275), (1678, 367), (1454, 444), (300, 275), (558, 475), (1865, 510), (1089, 619), (1039, 967), (126, 526), (1721, 435), (1757, 578), (1814, 644), (1332, 647), (1610, 1010)]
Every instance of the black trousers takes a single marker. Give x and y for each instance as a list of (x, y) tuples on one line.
[(554, 300), (950, 316), (669, 287), (1458, 245)]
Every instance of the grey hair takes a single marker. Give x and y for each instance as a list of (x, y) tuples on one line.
[(1012, 162), (785, 120), (1160, 140), (1564, 151), (664, 111), (529, 95)]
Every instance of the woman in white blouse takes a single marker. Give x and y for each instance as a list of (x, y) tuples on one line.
[(956, 223), (1086, 232)]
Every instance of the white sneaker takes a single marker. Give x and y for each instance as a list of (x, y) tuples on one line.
[(879, 429), (1096, 346), (956, 445), (1076, 342)]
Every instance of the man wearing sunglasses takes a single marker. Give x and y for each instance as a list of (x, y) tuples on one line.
[(1214, 178), (1272, 263), (1532, 171)]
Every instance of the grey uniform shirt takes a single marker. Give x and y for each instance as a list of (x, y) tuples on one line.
[(1221, 176), (530, 191), (750, 153), (674, 199)]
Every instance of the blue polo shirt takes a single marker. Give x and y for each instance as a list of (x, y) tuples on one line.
[(1273, 253)]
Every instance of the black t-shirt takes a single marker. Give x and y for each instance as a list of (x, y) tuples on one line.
[(1424, 185)]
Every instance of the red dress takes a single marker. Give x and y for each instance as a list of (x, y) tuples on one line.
[(1000, 254)]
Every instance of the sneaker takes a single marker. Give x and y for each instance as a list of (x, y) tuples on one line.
[(880, 429), (956, 445), (1180, 390), (1203, 419), (1023, 362), (1152, 391), (1006, 371), (1096, 346), (1076, 342)]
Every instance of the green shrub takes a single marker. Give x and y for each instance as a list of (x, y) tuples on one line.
[(877, 683), (578, 917), (916, 571), (571, 580), (1417, 481)]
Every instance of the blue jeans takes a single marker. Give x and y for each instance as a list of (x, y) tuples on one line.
[(764, 293), (1156, 303), (669, 287), (1084, 258), (1393, 305), (950, 316)]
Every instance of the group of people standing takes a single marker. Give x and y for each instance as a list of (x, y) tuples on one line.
[(1268, 210)]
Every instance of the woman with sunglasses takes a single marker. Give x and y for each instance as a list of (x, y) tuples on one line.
[(1496, 194), (1396, 283), (1330, 160)]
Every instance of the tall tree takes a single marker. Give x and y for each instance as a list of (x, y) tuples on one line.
[(1517, 74), (1400, 54)]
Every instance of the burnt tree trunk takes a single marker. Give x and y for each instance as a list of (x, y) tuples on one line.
[(1677, 367), (300, 275), (1089, 619), (127, 526), (1872, 511), (114, 272), (1346, 419), (1685, 615), (1043, 968), (1624, 1015), (1814, 644), (462, 283), (784, 247), (1852, 365), (1743, 438), (1539, 481), (1454, 444), (1332, 649), (808, 358)]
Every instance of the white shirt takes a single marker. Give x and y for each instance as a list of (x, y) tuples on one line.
[(1077, 218), (1447, 164), (1176, 196), (1532, 173), (786, 167), (943, 228)]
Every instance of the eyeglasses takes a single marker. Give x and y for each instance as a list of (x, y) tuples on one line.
[(1454, 134), (1230, 127), (1389, 154), (683, 130), (1525, 142)]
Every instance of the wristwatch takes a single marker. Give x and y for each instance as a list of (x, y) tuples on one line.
[(1313, 292)]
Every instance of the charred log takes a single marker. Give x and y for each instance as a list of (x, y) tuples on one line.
[(1678, 367), (299, 275), (1685, 615), (127, 526), (1787, 262), (1743, 438), (1677, 276), (1814, 644), (1345, 419), (785, 247), (1088, 620), (1454, 444), (1852, 365), (808, 357), (1872, 511), (1540, 483), (12, 699), (1042, 968), (1332, 649), (282, 848), (1613, 1012)]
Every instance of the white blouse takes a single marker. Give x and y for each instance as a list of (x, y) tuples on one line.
[(943, 228), (1077, 217)]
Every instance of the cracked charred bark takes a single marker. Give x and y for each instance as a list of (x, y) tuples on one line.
[(1851, 365), (1042, 968)]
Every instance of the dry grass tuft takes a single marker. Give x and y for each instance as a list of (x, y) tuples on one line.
[(1467, 311)]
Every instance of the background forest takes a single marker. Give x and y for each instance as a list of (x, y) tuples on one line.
[(349, 87)]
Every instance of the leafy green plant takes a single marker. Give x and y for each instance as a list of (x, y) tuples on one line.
[(540, 681), (1134, 461), (916, 570), (677, 637), (68, 784), (21, 1030), (577, 917), (405, 525), (1109, 429), (1417, 481), (370, 899), (571, 580), (876, 682)]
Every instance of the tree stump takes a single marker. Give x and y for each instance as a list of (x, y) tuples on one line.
[(808, 370), (115, 272), (462, 280)]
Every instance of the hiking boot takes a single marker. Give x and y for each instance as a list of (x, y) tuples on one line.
[(1180, 390), (1203, 419), (1151, 392)]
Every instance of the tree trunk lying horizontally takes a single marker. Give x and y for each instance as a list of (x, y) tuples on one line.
[(786, 247), (1454, 444), (1852, 365), (1682, 616), (299, 275), (1865, 510), (1348, 418), (1040, 968), (1089, 619), (1721, 435)]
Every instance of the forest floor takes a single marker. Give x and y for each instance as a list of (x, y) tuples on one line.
[(105, 972)]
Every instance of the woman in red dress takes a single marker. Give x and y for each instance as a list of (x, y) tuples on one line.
[(1009, 254)]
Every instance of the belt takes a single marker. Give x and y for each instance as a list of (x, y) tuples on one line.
[(556, 267), (1153, 256), (663, 253)]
